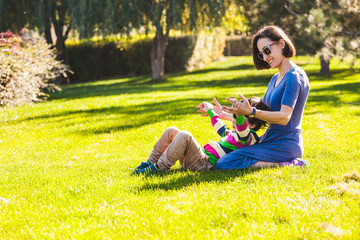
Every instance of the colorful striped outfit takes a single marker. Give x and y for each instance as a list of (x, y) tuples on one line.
[(240, 136)]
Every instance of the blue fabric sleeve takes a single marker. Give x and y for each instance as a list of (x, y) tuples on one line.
[(291, 91)]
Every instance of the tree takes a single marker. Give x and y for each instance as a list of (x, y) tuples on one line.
[(333, 26), (327, 28), (103, 17), (161, 16), (61, 15)]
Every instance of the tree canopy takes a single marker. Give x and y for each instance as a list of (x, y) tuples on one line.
[(327, 28)]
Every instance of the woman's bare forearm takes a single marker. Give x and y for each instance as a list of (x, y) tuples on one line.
[(281, 117)]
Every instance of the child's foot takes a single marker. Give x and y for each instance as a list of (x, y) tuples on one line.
[(143, 165), (296, 162), (149, 169)]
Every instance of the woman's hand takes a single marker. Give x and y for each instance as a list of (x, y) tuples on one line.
[(238, 107)]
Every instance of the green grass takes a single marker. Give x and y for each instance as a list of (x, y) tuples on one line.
[(64, 164)]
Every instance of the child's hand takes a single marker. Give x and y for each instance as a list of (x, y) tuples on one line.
[(206, 106), (217, 108)]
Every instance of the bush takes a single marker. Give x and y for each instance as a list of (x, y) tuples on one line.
[(208, 48), (90, 61), (138, 57), (238, 46), (184, 53), (178, 53), (26, 69)]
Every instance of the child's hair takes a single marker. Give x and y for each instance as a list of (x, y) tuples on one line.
[(257, 103)]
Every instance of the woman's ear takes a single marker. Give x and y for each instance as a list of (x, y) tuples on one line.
[(282, 43)]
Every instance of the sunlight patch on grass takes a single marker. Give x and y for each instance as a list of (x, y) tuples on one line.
[(66, 163)]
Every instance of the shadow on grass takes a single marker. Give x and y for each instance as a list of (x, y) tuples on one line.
[(146, 85), (194, 178), (149, 113), (328, 95), (159, 111)]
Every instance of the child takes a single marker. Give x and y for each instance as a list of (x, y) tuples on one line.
[(181, 145)]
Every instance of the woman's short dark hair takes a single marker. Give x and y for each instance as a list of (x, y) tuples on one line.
[(257, 103), (274, 33)]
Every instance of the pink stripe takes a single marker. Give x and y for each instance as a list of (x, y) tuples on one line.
[(230, 139), (211, 150), (214, 120), (242, 127)]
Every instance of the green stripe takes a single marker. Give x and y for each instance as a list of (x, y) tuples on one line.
[(212, 158), (240, 120), (211, 113)]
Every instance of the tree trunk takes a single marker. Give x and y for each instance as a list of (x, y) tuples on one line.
[(325, 66), (48, 32), (61, 50), (158, 55)]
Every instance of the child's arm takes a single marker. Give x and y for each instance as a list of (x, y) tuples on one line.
[(246, 137), (219, 126)]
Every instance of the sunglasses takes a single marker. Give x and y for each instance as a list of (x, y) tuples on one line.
[(266, 50)]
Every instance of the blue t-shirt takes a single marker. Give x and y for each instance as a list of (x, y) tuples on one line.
[(293, 91)]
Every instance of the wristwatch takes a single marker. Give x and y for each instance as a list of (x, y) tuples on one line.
[(252, 114)]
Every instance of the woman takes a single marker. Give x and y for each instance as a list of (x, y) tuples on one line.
[(286, 95)]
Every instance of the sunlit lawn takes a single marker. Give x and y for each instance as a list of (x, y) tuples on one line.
[(65, 164)]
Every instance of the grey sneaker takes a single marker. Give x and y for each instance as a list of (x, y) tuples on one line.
[(296, 162)]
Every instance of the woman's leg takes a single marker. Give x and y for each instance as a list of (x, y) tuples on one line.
[(162, 144), (235, 160), (187, 150)]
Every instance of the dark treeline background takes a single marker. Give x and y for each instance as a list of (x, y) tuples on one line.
[(326, 28)]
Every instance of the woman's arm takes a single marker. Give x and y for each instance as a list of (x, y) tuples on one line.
[(281, 117)]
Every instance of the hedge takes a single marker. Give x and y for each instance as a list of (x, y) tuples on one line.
[(238, 46), (91, 61)]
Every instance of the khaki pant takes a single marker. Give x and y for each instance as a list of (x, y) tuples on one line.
[(179, 145)]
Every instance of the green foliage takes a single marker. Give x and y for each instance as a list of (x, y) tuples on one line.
[(208, 48), (178, 53), (26, 67), (138, 56), (237, 46), (65, 163), (90, 61)]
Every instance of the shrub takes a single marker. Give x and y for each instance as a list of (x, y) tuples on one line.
[(90, 61), (208, 48), (178, 52), (26, 69), (238, 46), (138, 56)]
